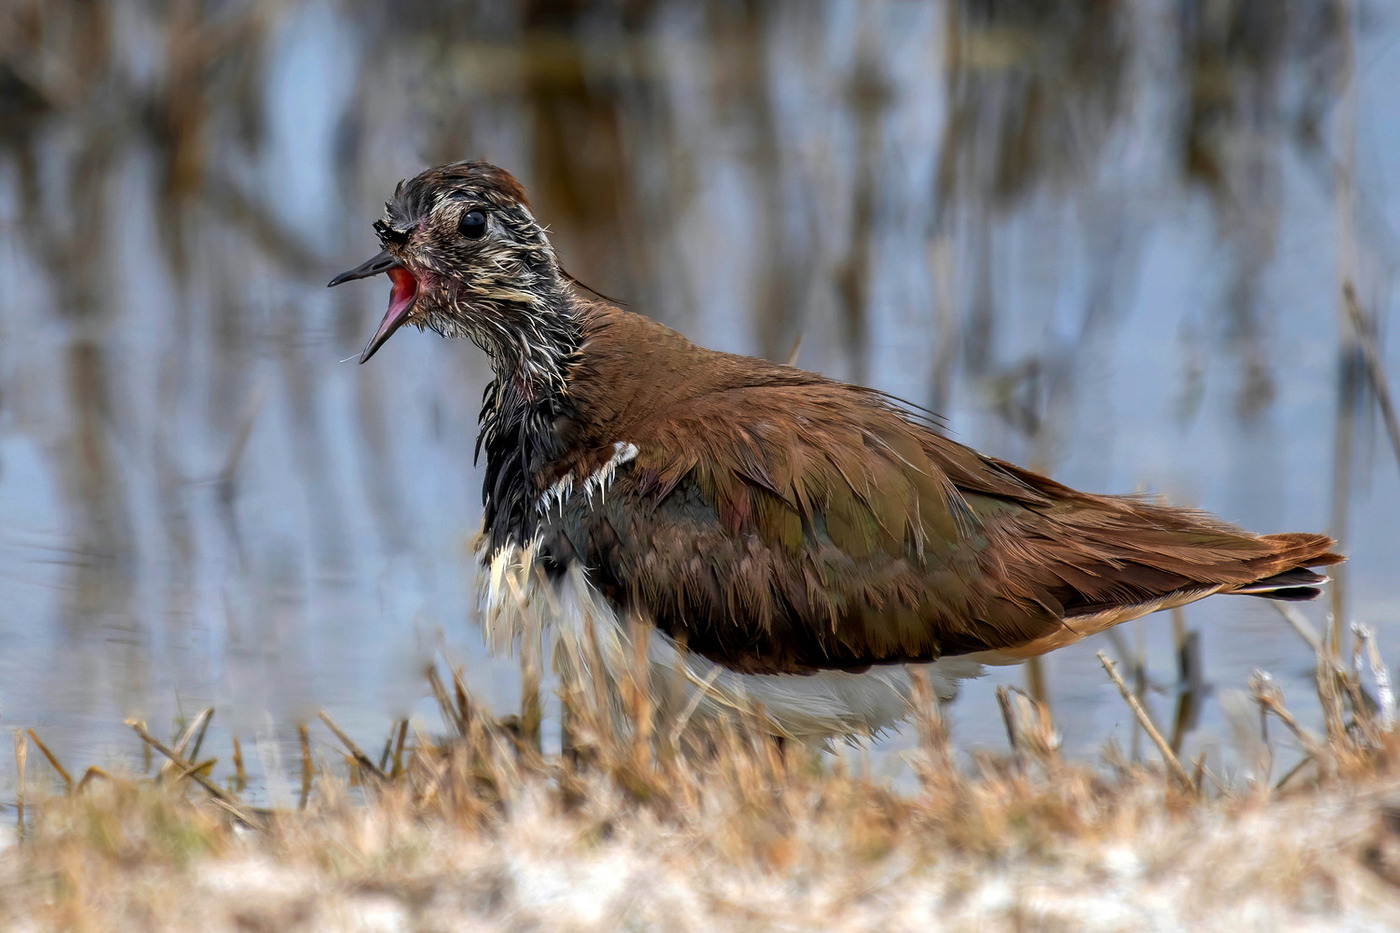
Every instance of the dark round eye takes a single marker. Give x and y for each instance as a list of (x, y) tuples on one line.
[(472, 225)]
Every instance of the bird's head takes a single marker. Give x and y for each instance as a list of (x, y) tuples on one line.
[(468, 259)]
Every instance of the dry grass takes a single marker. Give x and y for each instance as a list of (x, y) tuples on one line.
[(641, 824)]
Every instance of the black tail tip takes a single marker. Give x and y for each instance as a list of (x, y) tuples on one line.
[(1290, 594), (1294, 586)]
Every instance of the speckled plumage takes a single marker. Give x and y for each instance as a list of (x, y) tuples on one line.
[(765, 519)]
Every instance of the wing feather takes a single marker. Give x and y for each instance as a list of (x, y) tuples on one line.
[(778, 521)]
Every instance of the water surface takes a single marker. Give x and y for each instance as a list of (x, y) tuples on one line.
[(1106, 240)]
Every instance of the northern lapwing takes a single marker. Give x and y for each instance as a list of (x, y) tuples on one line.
[(792, 541)]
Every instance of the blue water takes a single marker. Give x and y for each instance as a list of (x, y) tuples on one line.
[(202, 502)]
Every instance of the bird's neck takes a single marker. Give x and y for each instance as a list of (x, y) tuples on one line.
[(524, 407), (533, 339)]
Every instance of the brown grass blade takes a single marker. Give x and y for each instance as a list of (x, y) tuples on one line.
[(355, 752), (1148, 726), (193, 772), (53, 761)]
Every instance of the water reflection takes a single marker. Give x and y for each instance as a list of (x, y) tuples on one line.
[(1102, 238)]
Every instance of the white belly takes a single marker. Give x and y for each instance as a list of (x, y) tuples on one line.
[(519, 603)]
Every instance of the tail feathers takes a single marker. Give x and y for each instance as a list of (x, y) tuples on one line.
[(1296, 583), (1301, 549)]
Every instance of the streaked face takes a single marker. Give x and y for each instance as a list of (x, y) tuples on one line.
[(460, 247)]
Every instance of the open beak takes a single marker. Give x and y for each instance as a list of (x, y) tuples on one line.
[(401, 297)]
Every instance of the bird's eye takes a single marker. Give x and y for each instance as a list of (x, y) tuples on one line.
[(472, 225)]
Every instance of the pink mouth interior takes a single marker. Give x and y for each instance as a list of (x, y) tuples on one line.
[(400, 303), (404, 291)]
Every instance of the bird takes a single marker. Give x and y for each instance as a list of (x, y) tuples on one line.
[(790, 543)]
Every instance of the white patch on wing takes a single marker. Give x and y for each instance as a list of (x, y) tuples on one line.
[(518, 602), (556, 494), (623, 452), (598, 481)]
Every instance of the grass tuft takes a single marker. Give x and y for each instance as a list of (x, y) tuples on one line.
[(718, 824)]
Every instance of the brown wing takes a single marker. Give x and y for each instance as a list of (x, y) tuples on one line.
[(786, 528), (778, 521)]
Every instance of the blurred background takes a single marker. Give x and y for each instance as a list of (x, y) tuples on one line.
[(1109, 239)]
